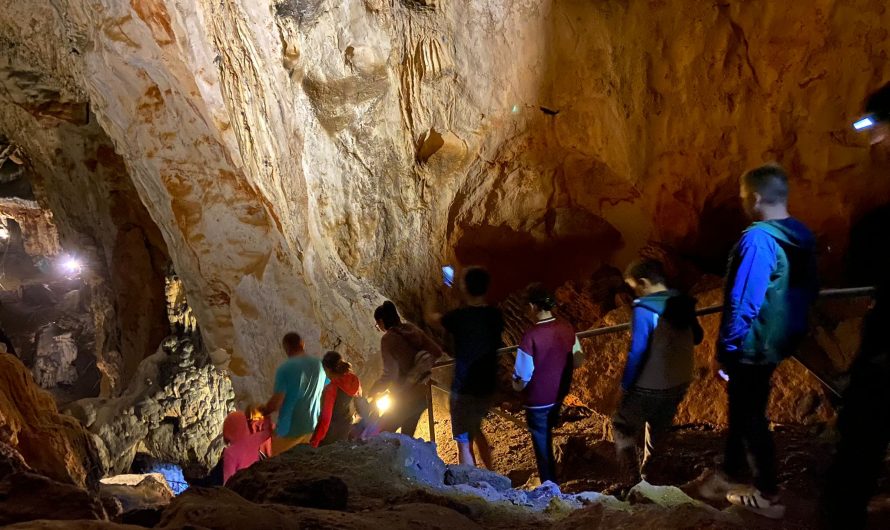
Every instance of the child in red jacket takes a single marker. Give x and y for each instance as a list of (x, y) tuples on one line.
[(337, 408)]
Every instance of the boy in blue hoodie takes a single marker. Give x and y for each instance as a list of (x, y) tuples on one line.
[(664, 332), (771, 283)]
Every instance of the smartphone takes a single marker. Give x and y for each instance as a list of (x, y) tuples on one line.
[(448, 275)]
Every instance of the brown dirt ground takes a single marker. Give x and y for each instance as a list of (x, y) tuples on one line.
[(586, 460)]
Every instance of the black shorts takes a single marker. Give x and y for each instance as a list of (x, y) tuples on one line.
[(467, 413)]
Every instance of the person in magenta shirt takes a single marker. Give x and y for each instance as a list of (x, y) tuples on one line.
[(243, 447), (337, 410), (543, 373)]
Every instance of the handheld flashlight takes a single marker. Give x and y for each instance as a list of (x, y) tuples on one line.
[(383, 403)]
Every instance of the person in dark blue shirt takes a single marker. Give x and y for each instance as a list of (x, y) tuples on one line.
[(664, 332), (770, 285)]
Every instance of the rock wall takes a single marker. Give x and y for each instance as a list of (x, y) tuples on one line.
[(173, 411), (52, 444), (305, 158)]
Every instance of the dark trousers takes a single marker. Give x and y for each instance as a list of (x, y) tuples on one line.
[(540, 425), (864, 429), (749, 390), (646, 411), (408, 407)]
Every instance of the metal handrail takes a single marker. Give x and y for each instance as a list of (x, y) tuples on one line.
[(852, 292)]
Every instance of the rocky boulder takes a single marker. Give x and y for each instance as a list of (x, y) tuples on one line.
[(27, 496), (223, 509), (475, 476), (52, 444), (386, 466), (137, 492), (173, 410)]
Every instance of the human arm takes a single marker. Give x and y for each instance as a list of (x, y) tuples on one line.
[(745, 295), (431, 346), (524, 367), (578, 356), (642, 325), (324, 419), (230, 466), (390, 367), (273, 405)]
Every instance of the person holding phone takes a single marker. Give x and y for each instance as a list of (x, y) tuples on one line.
[(476, 329)]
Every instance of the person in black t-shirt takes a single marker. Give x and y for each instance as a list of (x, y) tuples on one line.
[(476, 329), (863, 423)]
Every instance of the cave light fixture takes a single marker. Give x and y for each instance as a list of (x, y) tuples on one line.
[(4, 232), (866, 122), (71, 266)]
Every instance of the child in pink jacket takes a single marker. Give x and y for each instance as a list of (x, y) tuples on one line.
[(243, 447)]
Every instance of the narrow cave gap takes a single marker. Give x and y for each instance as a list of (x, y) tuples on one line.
[(80, 316)]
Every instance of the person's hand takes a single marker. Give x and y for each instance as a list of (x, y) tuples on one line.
[(718, 370), (518, 384)]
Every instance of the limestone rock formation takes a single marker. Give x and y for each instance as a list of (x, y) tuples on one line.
[(38, 229), (304, 159), (53, 444), (137, 492), (54, 359), (173, 411)]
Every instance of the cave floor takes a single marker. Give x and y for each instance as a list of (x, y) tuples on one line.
[(586, 461)]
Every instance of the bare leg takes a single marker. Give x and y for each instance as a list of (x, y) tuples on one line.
[(465, 453), (484, 450)]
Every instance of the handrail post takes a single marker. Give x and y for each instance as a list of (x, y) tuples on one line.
[(429, 408)]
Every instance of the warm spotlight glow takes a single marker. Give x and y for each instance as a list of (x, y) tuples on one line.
[(4, 233), (864, 123), (384, 402)]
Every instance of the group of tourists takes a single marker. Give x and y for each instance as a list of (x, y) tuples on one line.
[(771, 284)]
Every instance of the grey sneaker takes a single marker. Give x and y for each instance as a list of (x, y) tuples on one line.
[(752, 500)]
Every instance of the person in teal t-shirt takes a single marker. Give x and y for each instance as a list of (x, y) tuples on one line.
[(299, 382)]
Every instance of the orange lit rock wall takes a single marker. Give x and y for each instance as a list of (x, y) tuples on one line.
[(304, 159)]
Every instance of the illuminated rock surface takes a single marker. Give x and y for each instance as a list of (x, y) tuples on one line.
[(52, 444), (304, 159)]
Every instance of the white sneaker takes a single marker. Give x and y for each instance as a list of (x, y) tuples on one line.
[(753, 501), (716, 486)]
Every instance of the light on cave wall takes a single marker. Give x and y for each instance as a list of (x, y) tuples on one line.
[(4, 233)]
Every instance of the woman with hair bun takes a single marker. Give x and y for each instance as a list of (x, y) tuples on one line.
[(543, 373), (337, 407), (408, 356)]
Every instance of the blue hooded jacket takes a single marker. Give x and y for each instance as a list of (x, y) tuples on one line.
[(772, 281)]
